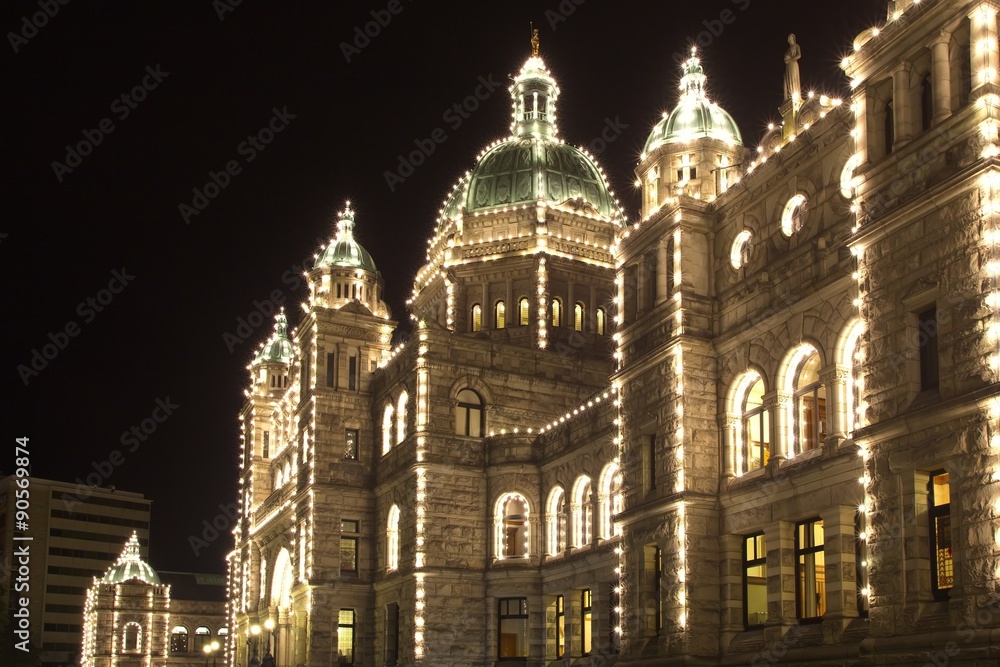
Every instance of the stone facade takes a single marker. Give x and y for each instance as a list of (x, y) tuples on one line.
[(756, 425)]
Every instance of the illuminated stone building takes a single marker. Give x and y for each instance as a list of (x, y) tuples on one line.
[(756, 424)]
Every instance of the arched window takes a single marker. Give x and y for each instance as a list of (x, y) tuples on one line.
[(500, 315), (392, 539), (610, 501), (202, 636), (753, 430), (277, 480), (469, 414), (739, 253), (477, 317), (511, 523), (579, 316), (602, 316), (179, 639), (286, 475), (387, 428), (555, 522), (556, 313), (401, 417), (583, 512), (132, 637), (792, 214), (852, 356), (222, 632), (808, 421), (524, 312)]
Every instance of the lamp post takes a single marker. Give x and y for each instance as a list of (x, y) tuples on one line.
[(253, 639), (210, 650), (269, 660)]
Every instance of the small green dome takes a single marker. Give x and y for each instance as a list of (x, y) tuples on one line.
[(343, 250), (695, 116), (130, 566), (278, 348), (533, 164)]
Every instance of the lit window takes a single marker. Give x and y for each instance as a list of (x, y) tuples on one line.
[(500, 315), (556, 313), (942, 558), (469, 414), (792, 215), (847, 180), (610, 501), (810, 570), (351, 444), (601, 318), (512, 641), (754, 429), (739, 253), (387, 428), (202, 636), (345, 637), (477, 317), (392, 538), (560, 626), (555, 522), (754, 580), (583, 512), (810, 406), (512, 527), (401, 417), (853, 358), (179, 639), (578, 317), (586, 622), (524, 312)]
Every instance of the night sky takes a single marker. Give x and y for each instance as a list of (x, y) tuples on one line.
[(97, 245)]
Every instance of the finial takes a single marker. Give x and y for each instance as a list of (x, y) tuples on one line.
[(534, 42)]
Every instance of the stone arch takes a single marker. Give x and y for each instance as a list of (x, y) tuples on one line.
[(282, 578)]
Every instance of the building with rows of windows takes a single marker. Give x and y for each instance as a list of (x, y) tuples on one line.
[(756, 424)]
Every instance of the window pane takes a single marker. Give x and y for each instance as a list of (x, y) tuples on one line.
[(345, 637), (513, 638), (348, 554), (755, 573), (811, 566), (942, 543), (941, 490)]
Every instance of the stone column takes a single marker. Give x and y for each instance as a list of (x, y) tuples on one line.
[(729, 423), (509, 305), (570, 313), (835, 379), (283, 637), (840, 571), (777, 403), (779, 539), (901, 103), (663, 265), (941, 75)]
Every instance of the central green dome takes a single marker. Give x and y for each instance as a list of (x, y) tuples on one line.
[(343, 250), (533, 164), (695, 116)]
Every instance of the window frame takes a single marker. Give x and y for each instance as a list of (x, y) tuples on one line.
[(524, 312), (803, 552), (351, 435), (586, 622), (351, 626), (799, 394), (560, 627), (350, 534), (935, 512), (502, 615), (761, 413), (476, 318), (470, 409), (748, 564), (500, 315), (175, 634)]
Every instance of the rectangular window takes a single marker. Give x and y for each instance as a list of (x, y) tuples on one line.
[(680, 174), (331, 370), (560, 626), (586, 622), (266, 444), (927, 339), (653, 560), (942, 559), (351, 444), (352, 373), (349, 546), (391, 634), (694, 172), (810, 565), (512, 638), (754, 580), (345, 637)]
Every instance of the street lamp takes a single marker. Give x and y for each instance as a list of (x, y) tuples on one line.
[(253, 637), (210, 649), (268, 656)]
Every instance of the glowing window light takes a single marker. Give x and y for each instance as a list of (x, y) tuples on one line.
[(739, 252), (791, 215)]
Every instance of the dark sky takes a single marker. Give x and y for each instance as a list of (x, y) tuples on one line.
[(213, 82)]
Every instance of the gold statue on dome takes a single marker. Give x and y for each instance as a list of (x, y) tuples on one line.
[(534, 42)]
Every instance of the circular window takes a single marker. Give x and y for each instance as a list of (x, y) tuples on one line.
[(847, 181), (793, 214), (739, 254)]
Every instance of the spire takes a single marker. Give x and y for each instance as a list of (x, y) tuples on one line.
[(278, 347), (534, 95), (693, 81), (281, 324), (345, 223)]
